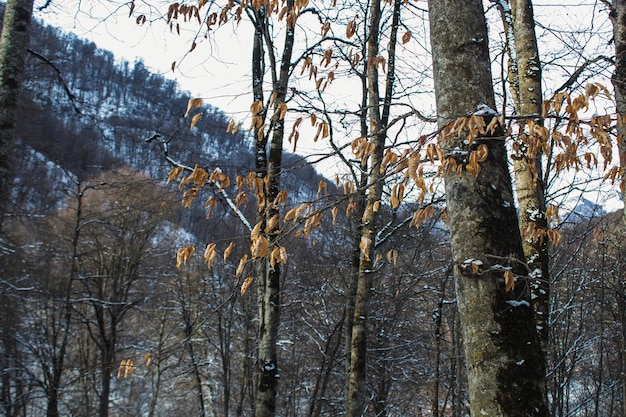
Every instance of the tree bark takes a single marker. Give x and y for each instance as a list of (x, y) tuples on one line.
[(378, 121), (529, 184), (13, 47), (505, 363), (618, 18), (268, 278)]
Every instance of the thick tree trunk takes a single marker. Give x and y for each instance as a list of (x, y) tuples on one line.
[(618, 17), (505, 363), (13, 46)]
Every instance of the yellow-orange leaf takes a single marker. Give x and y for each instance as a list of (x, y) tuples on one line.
[(281, 198), (231, 126), (509, 281), (195, 119), (246, 284), (322, 186), (325, 132), (397, 194), (281, 110), (121, 368), (242, 264), (259, 247), (209, 255), (228, 250), (379, 257), (271, 223), (554, 237), (414, 161), (174, 174), (552, 213), (189, 196), (193, 103), (278, 256), (211, 203), (125, 369), (256, 107), (183, 255), (481, 153), (256, 231), (199, 176), (317, 133), (350, 207)]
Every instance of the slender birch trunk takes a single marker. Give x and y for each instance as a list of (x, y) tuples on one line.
[(529, 182)]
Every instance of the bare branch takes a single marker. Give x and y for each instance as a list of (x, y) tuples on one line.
[(66, 88), (163, 143), (573, 78)]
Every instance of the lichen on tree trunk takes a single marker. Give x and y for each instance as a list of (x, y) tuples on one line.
[(13, 47), (505, 363)]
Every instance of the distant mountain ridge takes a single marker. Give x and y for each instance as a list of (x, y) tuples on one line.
[(121, 105)]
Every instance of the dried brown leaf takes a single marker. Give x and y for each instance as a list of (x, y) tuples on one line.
[(183, 255), (209, 254), (228, 250), (193, 103), (195, 120), (509, 281), (241, 265), (246, 284)]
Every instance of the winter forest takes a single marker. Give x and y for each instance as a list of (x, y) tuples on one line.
[(418, 213)]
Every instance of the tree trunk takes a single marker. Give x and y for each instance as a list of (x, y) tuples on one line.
[(505, 363), (438, 316), (356, 233), (106, 369), (529, 184), (378, 120), (13, 46), (618, 17), (268, 278)]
